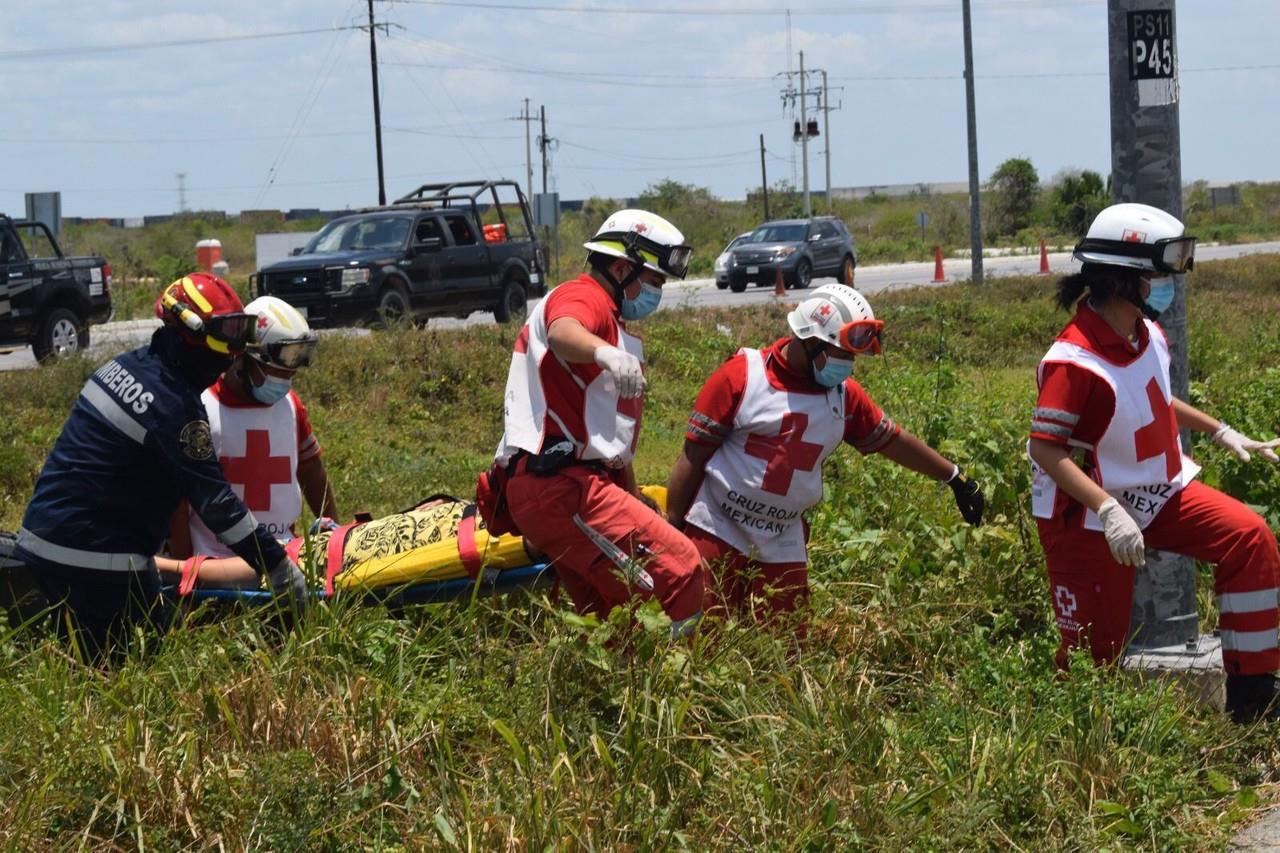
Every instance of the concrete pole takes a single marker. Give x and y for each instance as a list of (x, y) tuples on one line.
[(826, 132), (528, 153), (975, 186), (764, 180), (377, 105), (804, 140), (1146, 167)]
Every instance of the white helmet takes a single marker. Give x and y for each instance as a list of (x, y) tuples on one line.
[(837, 314), (282, 337), (1137, 236), (644, 237)]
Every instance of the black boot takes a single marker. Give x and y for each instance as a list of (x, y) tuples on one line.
[(1251, 698)]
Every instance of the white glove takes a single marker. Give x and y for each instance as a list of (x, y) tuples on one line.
[(624, 368), (1240, 444), (1124, 536), (288, 582)]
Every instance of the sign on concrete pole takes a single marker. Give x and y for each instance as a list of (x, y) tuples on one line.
[(1146, 167)]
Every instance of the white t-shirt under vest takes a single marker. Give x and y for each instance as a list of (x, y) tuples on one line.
[(1139, 460), (610, 425), (258, 449), (768, 471)]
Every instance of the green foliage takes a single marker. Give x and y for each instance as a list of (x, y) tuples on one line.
[(1012, 192), (923, 712), (1077, 199)]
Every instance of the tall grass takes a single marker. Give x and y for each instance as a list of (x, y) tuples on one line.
[(922, 713)]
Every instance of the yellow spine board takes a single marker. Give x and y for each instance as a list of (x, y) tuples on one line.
[(440, 561)]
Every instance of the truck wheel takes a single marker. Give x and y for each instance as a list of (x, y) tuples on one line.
[(514, 305), (61, 334), (393, 307), (738, 285)]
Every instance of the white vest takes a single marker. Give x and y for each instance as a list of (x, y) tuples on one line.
[(1132, 462), (759, 482), (612, 424), (258, 449)]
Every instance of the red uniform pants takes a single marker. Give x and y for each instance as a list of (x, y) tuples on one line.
[(734, 580), (1092, 593), (605, 543)]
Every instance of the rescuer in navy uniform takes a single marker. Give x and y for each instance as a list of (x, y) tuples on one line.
[(136, 442)]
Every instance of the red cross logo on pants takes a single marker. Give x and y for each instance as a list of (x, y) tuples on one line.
[(257, 470), (784, 453), (1161, 435)]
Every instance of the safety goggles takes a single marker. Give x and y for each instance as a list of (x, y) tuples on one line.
[(861, 336), (672, 260), (1171, 255), (290, 355), (224, 333)]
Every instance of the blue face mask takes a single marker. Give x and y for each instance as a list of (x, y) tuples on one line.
[(644, 304), (1161, 294), (835, 371)]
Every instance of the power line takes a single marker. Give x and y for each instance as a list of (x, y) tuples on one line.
[(79, 50), (756, 11)]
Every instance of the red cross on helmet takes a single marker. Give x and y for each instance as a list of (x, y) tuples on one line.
[(837, 314), (1138, 236), (643, 237), (208, 313)]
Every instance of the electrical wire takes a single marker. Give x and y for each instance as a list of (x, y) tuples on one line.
[(75, 51), (756, 11)]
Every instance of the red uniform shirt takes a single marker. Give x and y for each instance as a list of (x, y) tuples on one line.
[(586, 301), (866, 427), (1076, 392), (308, 446)]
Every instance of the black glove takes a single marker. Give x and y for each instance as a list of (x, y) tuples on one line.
[(968, 496)]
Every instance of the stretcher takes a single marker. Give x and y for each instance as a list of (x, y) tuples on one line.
[(436, 552)]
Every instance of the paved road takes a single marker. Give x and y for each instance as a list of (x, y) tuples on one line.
[(115, 337)]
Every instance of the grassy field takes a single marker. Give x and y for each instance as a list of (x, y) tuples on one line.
[(885, 230), (924, 712)]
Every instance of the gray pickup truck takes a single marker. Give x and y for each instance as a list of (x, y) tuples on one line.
[(432, 253), (48, 300)]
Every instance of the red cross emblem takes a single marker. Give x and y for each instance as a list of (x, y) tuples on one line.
[(822, 312), (1133, 236), (640, 228), (1161, 435), (784, 453), (257, 470), (262, 321)]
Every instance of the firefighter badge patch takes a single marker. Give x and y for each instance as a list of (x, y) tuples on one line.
[(196, 440)]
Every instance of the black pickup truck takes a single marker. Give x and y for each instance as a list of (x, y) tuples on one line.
[(48, 300), (429, 254)]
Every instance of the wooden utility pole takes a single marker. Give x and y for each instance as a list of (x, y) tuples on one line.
[(764, 179), (377, 105)]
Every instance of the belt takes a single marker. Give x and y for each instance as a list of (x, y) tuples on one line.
[(54, 553)]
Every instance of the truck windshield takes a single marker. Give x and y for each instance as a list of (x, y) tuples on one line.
[(778, 234), (347, 235)]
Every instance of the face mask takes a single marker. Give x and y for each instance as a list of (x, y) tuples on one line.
[(1161, 296), (272, 389), (644, 304), (835, 371)]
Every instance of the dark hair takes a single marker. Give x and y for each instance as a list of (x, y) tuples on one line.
[(1103, 281)]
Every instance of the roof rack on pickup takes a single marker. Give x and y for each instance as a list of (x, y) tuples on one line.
[(449, 194)]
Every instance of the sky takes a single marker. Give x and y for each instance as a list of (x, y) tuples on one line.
[(269, 105)]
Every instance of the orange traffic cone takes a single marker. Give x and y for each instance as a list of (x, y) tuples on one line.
[(938, 274), (1044, 260), (779, 289)]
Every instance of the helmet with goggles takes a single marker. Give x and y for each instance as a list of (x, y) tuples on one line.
[(645, 238), (1138, 236), (207, 312), (282, 337), (839, 315)]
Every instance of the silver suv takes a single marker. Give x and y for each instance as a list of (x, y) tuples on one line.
[(801, 248)]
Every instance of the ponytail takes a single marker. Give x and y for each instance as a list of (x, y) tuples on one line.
[(1102, 281)]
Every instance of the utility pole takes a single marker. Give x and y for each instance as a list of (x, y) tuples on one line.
[(377, 105), (182, 192), (542, 143), (975, 188), (1146, 167), (764, 180), (804, 138), (527, 118), (826, 129)]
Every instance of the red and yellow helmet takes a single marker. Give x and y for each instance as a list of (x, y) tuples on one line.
[(208, 313)]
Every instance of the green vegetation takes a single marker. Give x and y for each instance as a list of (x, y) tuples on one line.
[(924, 712), (885, 228)]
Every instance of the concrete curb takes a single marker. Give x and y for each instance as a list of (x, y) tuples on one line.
[(1261, 836)]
